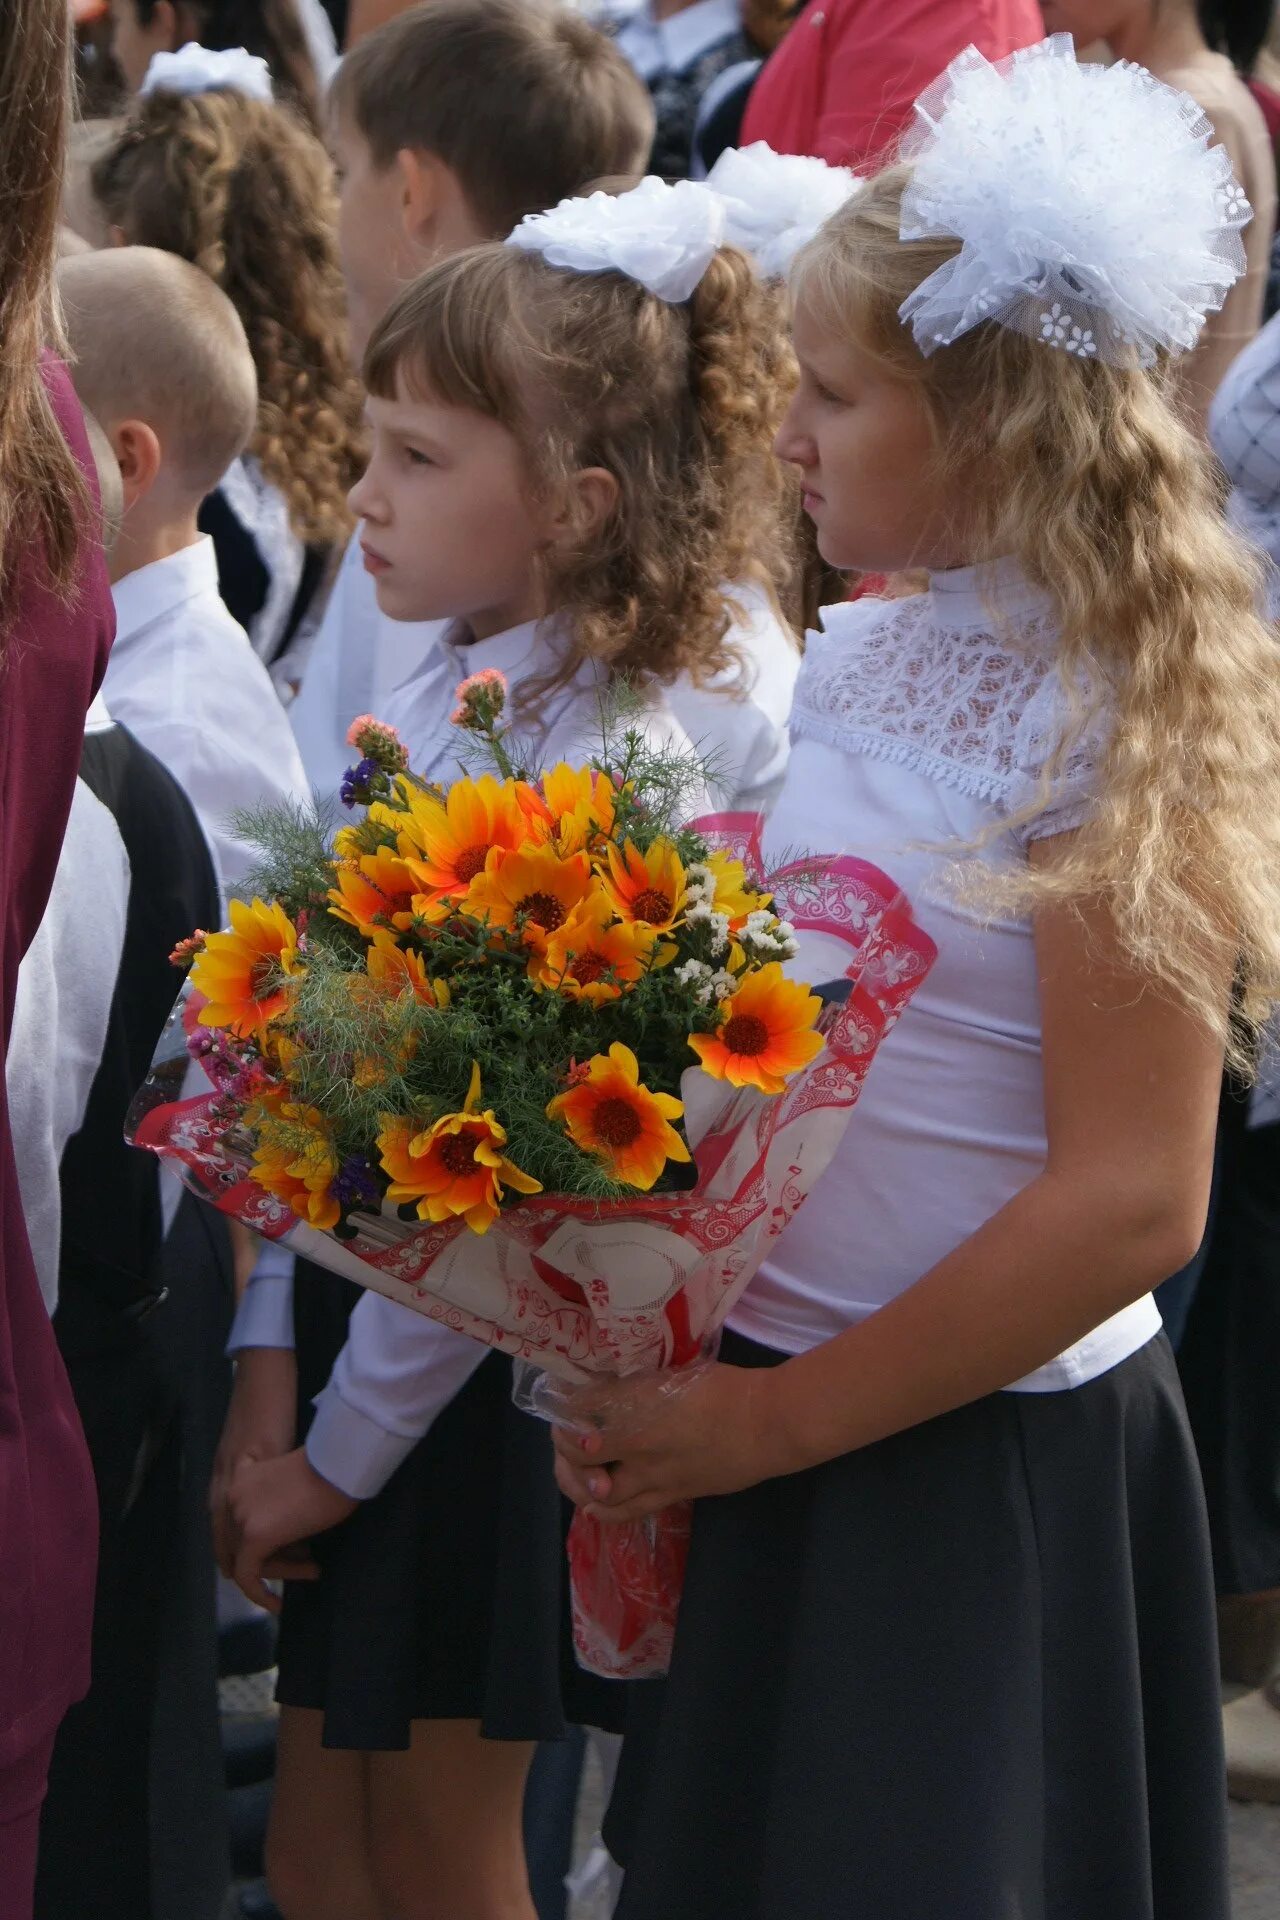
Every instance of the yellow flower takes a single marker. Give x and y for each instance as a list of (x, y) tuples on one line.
[(593, 956), (373, 891), (646, 887), (239, 971), (626, 1124), (580, 803), (447, 842), (535, 885), (454, 1169), (733, 895), (765, 1035), (294, 1160), (397, 968)]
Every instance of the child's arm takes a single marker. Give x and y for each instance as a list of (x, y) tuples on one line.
[(1131, 1096)]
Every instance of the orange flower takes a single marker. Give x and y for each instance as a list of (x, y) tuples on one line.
[(454, 1168), (446, 842), (593, 956), (628, 1126), (535, 886), (765, 1035), (646, 887), (239, 971), (294, 1160), (580, 804), (373, 891), (398, 968)]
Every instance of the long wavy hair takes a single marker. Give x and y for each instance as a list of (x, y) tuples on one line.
[(679, 403), (43, 497), (1087, 474), (245, 192)]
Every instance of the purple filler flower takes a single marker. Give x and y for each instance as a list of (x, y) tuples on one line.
[(354, 1184), (357, 788)]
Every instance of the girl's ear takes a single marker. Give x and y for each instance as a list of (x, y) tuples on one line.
[(590, 502)]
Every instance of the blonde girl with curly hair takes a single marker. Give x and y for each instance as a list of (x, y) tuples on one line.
[(947, 1644), (245, 191), (567, 465)]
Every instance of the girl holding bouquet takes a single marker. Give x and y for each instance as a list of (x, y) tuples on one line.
[(947, 1640), (572, 449)]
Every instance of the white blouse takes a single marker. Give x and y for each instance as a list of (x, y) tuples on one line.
[(917, 724)]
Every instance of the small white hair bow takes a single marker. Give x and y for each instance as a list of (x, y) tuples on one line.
[(197, 69), (1093, 213), (776, 202), (663, 236)]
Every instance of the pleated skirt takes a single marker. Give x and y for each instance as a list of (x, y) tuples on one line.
[(969, 1673)]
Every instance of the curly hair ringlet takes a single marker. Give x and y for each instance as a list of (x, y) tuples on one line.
[(1088, 476), (679, 403), (245, 192)]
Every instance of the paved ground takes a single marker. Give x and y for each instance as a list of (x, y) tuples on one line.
[(1255, 1862)]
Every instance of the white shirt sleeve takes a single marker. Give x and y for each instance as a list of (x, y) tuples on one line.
[(264, 1317), (396, 1373), (65, 989)]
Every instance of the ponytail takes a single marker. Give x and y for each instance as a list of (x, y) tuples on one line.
[(1237, 28)]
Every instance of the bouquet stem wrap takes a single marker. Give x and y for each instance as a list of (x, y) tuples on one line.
[(585, 1289)]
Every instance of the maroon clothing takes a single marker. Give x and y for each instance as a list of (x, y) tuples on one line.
[(52, 658)]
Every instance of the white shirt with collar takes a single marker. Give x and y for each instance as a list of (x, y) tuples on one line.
[(185, 680), (65, 988), (399, 1370), (672, 45)]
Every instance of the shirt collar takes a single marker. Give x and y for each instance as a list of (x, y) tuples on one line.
[(533, 647), (974, 595), (674, 44), (157, 589)]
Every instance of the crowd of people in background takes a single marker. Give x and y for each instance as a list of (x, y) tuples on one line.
[(285, 434)]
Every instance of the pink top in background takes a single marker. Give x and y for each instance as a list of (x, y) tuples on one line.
[(52, 658)]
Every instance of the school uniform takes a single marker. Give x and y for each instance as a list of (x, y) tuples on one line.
[(970, 1669), (679, 58), (457, 1549), (361, 658), (186, 683)]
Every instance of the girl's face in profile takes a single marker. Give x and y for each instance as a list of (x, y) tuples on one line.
[(448, 531), (867, 457)]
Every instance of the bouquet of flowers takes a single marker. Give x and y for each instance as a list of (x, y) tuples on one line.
[(521, 1054)]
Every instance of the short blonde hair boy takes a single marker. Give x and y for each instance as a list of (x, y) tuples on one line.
[(153, 339)]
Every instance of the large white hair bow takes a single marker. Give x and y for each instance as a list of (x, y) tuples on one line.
[(776, 202), (197, 69), (663, 236), (1092, 211)]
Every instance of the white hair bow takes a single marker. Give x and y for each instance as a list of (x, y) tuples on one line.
[(1091, 209), (663, 236), (197, 69), (776, 202)]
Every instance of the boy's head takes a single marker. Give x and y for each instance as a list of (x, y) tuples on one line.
[(162, 362), (455, 120)]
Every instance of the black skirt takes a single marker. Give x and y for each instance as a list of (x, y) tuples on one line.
[(969, 1673), (445, 1597)]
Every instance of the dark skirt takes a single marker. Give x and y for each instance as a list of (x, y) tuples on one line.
[(445, 1597), (969, 1673)]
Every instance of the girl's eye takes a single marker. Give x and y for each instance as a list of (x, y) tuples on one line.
[(825, 393), (417, 458)]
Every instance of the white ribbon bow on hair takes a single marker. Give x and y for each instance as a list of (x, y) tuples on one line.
[(776, 202), (663, 236), (197, 69), (1091, 209)]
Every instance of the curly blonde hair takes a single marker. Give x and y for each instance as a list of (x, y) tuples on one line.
[(1087, 475), (245, 192), (679, 403)]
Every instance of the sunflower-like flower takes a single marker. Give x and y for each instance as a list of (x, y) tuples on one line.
[(580, 804), (372, 891), (455, 1168), (446, 842), (239, 971), (734, 893), (766, 1032), (396, 968), (536, 887), (627, 1125), (593, 956), (646, 887), (294, 1160)]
